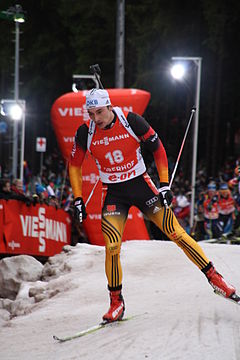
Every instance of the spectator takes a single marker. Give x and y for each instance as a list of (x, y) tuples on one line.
[(198, 230), (234, 184), (50, 189), (226, 209), (17, 186), (13, 192), (182, 210), (211, 212), (53, 201), (42, 194), (5, 189)]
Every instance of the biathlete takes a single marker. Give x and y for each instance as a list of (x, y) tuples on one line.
[(113, 138)]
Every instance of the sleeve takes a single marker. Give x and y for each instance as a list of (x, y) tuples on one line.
[(76, 159), (152, 142)]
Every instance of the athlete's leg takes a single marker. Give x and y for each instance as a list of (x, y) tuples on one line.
[(147, 200), (149, 203), (114, 217), (167, 222)]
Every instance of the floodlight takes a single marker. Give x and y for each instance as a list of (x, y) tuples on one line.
[(16, 112), (19, 18), (178, 71), (11, 108)]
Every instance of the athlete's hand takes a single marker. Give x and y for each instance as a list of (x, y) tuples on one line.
[(165, 194), (79, 209)]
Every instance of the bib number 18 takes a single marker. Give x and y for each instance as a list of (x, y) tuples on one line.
[(115, 157)]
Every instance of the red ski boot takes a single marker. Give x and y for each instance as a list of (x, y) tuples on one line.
[(117, 307), (218, 283)]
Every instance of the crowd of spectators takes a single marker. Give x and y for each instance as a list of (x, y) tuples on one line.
[(51, 188), (216, 212), (217, 205)]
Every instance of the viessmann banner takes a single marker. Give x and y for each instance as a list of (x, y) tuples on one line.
[(67, 114), (39, 230)]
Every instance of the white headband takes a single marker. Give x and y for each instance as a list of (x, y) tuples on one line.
[(97, 98)]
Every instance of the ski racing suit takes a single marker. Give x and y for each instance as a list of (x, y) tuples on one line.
[(126, 183)]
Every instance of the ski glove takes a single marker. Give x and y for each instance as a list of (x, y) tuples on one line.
[(165, 195), (79, 209)]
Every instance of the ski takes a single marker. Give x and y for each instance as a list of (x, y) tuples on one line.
[(92, 329), (234, 297)]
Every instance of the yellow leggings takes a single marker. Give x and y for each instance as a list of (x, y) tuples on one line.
[(140, 192), (113, 226)]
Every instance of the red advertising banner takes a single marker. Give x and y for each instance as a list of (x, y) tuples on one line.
[(67, 114), (39, 230)]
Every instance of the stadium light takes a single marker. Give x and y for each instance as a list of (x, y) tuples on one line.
[(12, 109), (178, 71), (14, 13), (198, 63), (16, 111)]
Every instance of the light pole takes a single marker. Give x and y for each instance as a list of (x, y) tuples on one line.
[(198, 62), (16, 14), (16, 110), (23, 105), (120, 38)]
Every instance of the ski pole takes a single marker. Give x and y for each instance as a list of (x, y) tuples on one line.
[(91, 193), (95, 70), (183, 142)]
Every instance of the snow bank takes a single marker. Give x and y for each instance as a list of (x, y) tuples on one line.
[(15, 270)]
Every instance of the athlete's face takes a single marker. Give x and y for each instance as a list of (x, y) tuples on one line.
[(102, 116)]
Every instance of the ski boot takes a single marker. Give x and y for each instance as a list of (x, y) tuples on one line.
[(117, 307), (220, 286)]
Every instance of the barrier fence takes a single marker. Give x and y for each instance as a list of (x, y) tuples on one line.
[(39, 230)]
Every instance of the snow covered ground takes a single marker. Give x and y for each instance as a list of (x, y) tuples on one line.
[(180, 318)]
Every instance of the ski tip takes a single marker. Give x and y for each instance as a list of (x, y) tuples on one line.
[(235, 298), (56, 338)]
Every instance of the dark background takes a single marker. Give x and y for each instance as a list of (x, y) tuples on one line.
[(63, 37)]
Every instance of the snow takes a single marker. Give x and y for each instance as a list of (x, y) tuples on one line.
[(179, 316)]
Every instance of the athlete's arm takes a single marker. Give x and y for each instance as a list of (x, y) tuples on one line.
[(76, 159), (152, 142)]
